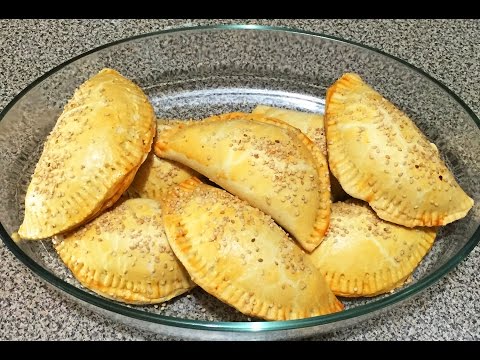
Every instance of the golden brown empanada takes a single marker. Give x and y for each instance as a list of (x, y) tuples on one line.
[(312, 125), (363, 255), (380, 156), (238, 254), (156, 176), (91, 156), (124, 255), (267, 162)]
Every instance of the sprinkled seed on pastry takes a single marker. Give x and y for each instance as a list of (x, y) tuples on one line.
[(363, 255), (264, 161), (91, 156), (239, 255), (156, 176), (312, 125), (379, 155), (124, 255)]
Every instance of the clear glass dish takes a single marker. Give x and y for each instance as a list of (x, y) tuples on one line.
[(195, 72)]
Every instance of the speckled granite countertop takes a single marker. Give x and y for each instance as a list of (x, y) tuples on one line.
[(448, 50)]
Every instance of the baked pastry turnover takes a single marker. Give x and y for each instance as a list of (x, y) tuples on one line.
[(239, 255), (378, 155), (264, 161), (309, 123), (124, 255), (91, 156), (312, 125), (363, 255), (156, 176)]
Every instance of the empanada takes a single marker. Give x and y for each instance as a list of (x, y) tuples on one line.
[(378, 155), (363, 255), (266, 162), (156, 176), (238, 254), (311, 125), (124, 255), (91, 156)]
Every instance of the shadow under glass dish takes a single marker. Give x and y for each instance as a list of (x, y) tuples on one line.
[(197, 72)]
